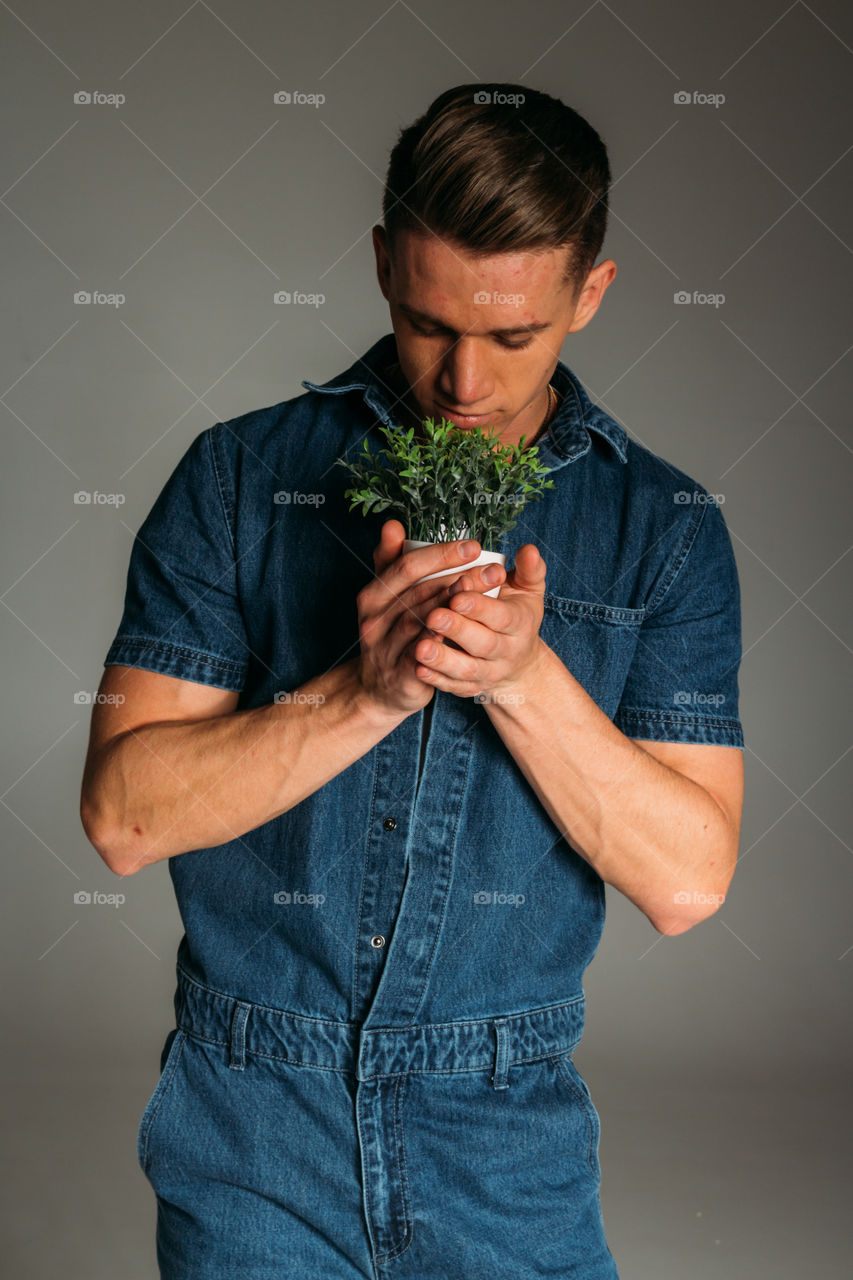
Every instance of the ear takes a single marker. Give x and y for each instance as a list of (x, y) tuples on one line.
[(592, 293), (383, 260)]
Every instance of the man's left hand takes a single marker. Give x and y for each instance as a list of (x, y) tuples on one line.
[(498, 638)]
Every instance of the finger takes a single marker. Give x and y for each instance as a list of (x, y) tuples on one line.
[(475, 638), (502, 616), (488, 576), (529, 570), (421, 561), (390, 545), (447, 663), (410, 621)]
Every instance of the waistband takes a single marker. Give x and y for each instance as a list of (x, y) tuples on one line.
[(495, 1043)]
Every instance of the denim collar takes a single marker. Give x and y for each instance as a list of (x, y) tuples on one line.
[(565, 440)]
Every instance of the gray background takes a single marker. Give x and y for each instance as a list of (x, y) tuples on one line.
[(719, 1060)]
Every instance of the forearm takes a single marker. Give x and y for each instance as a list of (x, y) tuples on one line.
[(167, 788), (647, 830)]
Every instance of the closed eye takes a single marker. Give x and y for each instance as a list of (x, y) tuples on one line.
[(503, 342)]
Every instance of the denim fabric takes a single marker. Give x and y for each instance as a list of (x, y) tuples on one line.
[(379, 992)]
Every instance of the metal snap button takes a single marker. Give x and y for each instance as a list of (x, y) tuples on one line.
[(389, 824), (377, 940)]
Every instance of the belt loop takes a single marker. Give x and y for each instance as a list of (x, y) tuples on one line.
[(499, 1074), (238, 1036)]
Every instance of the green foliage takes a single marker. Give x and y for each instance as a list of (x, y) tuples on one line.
[(452, 484)]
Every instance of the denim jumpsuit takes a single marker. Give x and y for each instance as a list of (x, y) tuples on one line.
[(379, 992)]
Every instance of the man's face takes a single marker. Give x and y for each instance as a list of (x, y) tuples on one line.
[(478, 338)]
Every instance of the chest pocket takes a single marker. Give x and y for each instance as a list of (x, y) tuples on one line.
[(596, 642)]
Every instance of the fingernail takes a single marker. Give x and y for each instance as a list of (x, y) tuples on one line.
[(492, 575), (467, 549)]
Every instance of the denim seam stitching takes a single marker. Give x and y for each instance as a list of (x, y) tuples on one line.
[(213, 439), (181, 651), (408, 1235), (162, 1086), (680, 558), (678, 718), (612, 615), (380, 1075), (584, 1102)]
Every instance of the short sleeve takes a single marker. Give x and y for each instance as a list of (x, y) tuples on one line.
[(682, 685), (182, 613)]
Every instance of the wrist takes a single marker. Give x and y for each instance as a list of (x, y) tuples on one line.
[(508, 696), (370, 708)]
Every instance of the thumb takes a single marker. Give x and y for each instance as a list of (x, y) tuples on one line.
[(529, 570), (390, 544)]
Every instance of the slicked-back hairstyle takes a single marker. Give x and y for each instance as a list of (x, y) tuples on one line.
[(500, 168)]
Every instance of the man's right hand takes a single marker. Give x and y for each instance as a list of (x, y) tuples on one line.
[(391, 614)]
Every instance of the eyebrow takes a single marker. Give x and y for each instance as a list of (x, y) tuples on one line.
[(515, 331)]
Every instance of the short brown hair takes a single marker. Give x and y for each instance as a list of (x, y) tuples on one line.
[(501, 168)]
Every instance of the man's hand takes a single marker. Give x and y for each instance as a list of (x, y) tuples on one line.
[(391, 613), (498, 639)]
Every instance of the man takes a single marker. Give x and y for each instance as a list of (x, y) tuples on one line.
[(388, 916)]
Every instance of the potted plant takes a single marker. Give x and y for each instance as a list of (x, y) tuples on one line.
[(451, 484)]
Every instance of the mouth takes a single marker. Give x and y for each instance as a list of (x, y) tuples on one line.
[(466, 419)]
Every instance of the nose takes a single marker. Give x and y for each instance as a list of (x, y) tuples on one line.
[(465, 381)]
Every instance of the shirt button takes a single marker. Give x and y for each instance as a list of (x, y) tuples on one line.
[(377, 940), (389, 824)]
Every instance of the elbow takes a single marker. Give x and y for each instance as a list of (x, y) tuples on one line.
[(107, 843), (688, 910)]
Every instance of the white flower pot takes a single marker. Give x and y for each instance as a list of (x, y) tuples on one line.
[(485, 557)]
